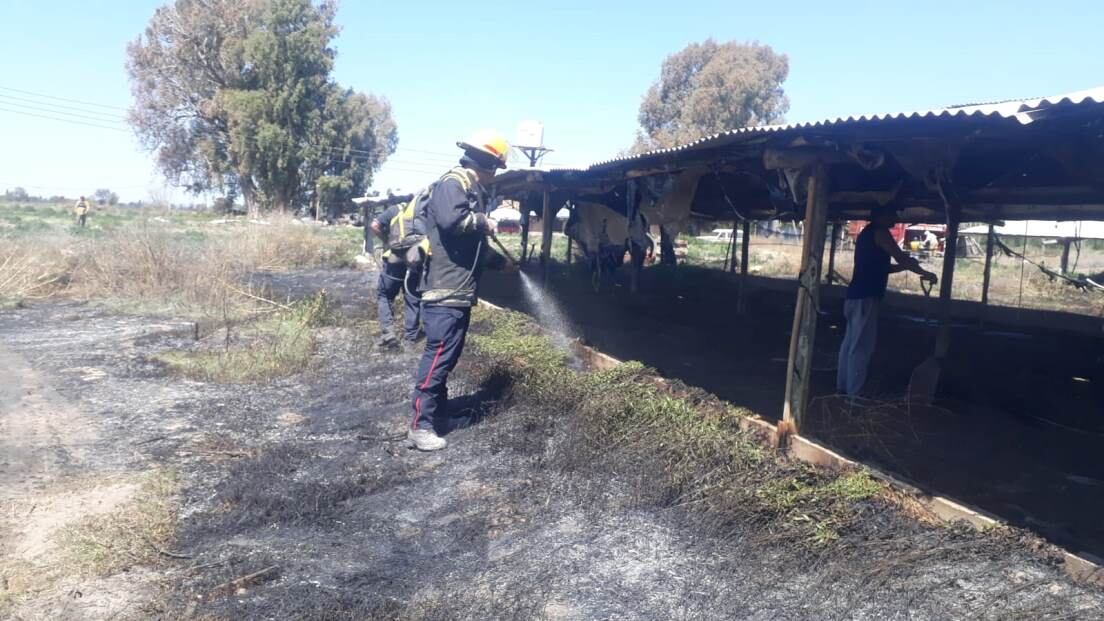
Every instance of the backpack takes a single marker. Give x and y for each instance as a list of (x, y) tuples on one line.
[(408, 228)]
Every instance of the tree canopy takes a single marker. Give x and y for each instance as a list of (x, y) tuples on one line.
[(710, 87), (237, 96), (105, 196)]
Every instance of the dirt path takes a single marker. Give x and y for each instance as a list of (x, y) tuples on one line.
[(58, 464), (43, 437), (306, 475)]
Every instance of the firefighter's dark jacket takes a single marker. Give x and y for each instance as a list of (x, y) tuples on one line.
[(383, 220), (456, 226)]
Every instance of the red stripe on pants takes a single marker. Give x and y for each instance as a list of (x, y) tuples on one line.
[(418, 401)]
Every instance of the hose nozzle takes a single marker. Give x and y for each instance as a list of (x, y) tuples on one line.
[(509, 255)]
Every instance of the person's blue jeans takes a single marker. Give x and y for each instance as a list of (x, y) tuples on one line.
[(446, 329), (388, 287), (858, 344)]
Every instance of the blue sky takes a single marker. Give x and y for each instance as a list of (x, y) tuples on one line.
[(580, 67)]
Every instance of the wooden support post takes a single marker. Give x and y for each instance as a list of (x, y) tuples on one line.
[(741, 295), (525, 207), (803, 335), (830, 277), (1063, 265), (989, 242), (632, 213), (548, 218), (571, 207), (946, 284), (666, 247), (730, 259)]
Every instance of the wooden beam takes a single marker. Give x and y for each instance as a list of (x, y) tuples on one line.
[(547, 219), (946, 284), (741, 295), (632, 211), (666, 247), (524, 205), (829, 278), (989, 243), (1051, 195), (572, 207), (803, 335), (801, 157), (730, 253)]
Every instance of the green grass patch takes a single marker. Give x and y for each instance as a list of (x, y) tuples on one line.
[(274, 347), (667, 444), (702, 252)]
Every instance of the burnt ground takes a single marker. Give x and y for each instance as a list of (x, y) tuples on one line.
[(1015, 430), (304, 474)]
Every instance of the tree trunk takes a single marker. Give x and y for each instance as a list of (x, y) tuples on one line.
[(249, 196)]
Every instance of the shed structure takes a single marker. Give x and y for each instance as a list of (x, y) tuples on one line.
[(1031, 159)]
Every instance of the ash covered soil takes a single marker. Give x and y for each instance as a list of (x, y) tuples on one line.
[(305, 480)]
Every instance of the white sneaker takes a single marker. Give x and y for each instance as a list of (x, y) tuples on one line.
[(425, 440)]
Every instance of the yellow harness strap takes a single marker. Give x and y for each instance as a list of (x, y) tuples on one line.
[(401, 218), (461, 174)]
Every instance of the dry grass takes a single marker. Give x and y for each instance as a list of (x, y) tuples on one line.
[(149, 263), (31, 268), (273, 347), (155, 264), (139, 533)]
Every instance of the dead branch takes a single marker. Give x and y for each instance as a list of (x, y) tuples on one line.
[(255, 297), (244, 581)]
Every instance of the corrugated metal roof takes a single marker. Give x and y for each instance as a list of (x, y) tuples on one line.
[(1017, 109)]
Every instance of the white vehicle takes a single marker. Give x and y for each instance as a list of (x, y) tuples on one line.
[(718, 235)]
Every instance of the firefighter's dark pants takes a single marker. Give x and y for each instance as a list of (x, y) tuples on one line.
[(389, 286), (446, 328)]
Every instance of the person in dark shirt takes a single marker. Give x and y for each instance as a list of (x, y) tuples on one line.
[(874, 248), (395, 228), (456, 230)]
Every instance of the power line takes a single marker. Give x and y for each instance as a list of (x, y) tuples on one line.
[(390, 159), (449, 155), (54, 118), (64, 114), (441, 154), (87, 103), (9, 185), (429, 166), (441, 158), (104, 117), (400, 168), (108, 117)]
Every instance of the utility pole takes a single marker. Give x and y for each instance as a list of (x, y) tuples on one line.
[(530, 141), (534, 154)]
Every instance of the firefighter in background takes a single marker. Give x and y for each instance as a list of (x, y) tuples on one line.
[(399, 230), (454, 254), (81, 210)]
